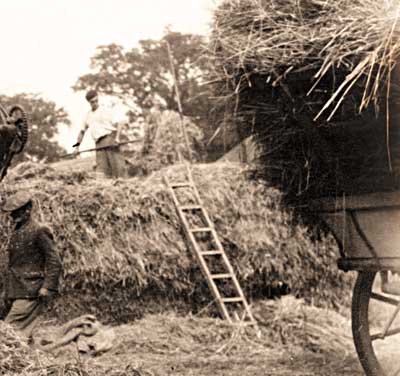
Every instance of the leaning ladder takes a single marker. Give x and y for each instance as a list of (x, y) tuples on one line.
[(241, 310)]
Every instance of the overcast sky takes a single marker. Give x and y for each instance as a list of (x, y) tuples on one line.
[(47, 44)]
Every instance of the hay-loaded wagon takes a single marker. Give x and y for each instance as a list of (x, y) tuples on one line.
[(365, 222), (13, 135), (314, 82)]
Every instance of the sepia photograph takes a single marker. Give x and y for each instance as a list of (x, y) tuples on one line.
[(200, 187)]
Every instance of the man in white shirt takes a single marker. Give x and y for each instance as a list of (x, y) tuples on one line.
[(105, 129)]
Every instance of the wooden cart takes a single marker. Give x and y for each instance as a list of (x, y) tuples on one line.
[(367, 230)]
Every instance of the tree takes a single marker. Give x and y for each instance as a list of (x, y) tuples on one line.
[(44, 117), (141, 76)]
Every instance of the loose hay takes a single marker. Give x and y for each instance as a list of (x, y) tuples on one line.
[(164, 141), (15, 355), (290, 332), (290, 335), (292, 72)]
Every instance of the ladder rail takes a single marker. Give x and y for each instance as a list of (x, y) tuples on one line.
[(219, 244), (200, 255), (200, 260), (228, 264)]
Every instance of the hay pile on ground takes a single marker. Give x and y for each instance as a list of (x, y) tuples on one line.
[(291, 336), (192, 345), (124, 252), (17, 358), (293, 71), (15, 355)]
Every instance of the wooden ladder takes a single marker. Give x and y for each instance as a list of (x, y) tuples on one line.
[(238, 308)]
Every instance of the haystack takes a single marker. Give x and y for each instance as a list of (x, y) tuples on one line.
[(124, 253), (314, 81)]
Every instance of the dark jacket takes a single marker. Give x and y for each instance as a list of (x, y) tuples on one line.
[(33, 262)]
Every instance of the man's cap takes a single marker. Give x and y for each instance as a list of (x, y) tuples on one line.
[(91, 94), (16, 201)]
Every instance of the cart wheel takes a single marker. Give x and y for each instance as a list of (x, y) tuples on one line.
[(21, 125), (376, 326)]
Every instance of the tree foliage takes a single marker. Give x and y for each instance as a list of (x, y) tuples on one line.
[(44, 118), (142, 77)]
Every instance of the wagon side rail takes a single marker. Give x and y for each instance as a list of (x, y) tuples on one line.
[(366, 229)]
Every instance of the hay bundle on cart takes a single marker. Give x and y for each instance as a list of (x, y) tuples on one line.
[(310, 79)]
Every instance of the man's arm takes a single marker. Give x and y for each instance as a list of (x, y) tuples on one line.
[(80, 137)]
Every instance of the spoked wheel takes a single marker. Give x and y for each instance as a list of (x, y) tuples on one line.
[(21, 123), (376, 325)]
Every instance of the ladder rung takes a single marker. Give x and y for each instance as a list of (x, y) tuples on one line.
[(181, 184), (191, 207), (210, 253), (232, 300), (244, 323), (221, 276), (201, 229)]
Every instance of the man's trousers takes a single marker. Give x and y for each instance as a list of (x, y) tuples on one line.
[(110, 161), (24, 315)]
